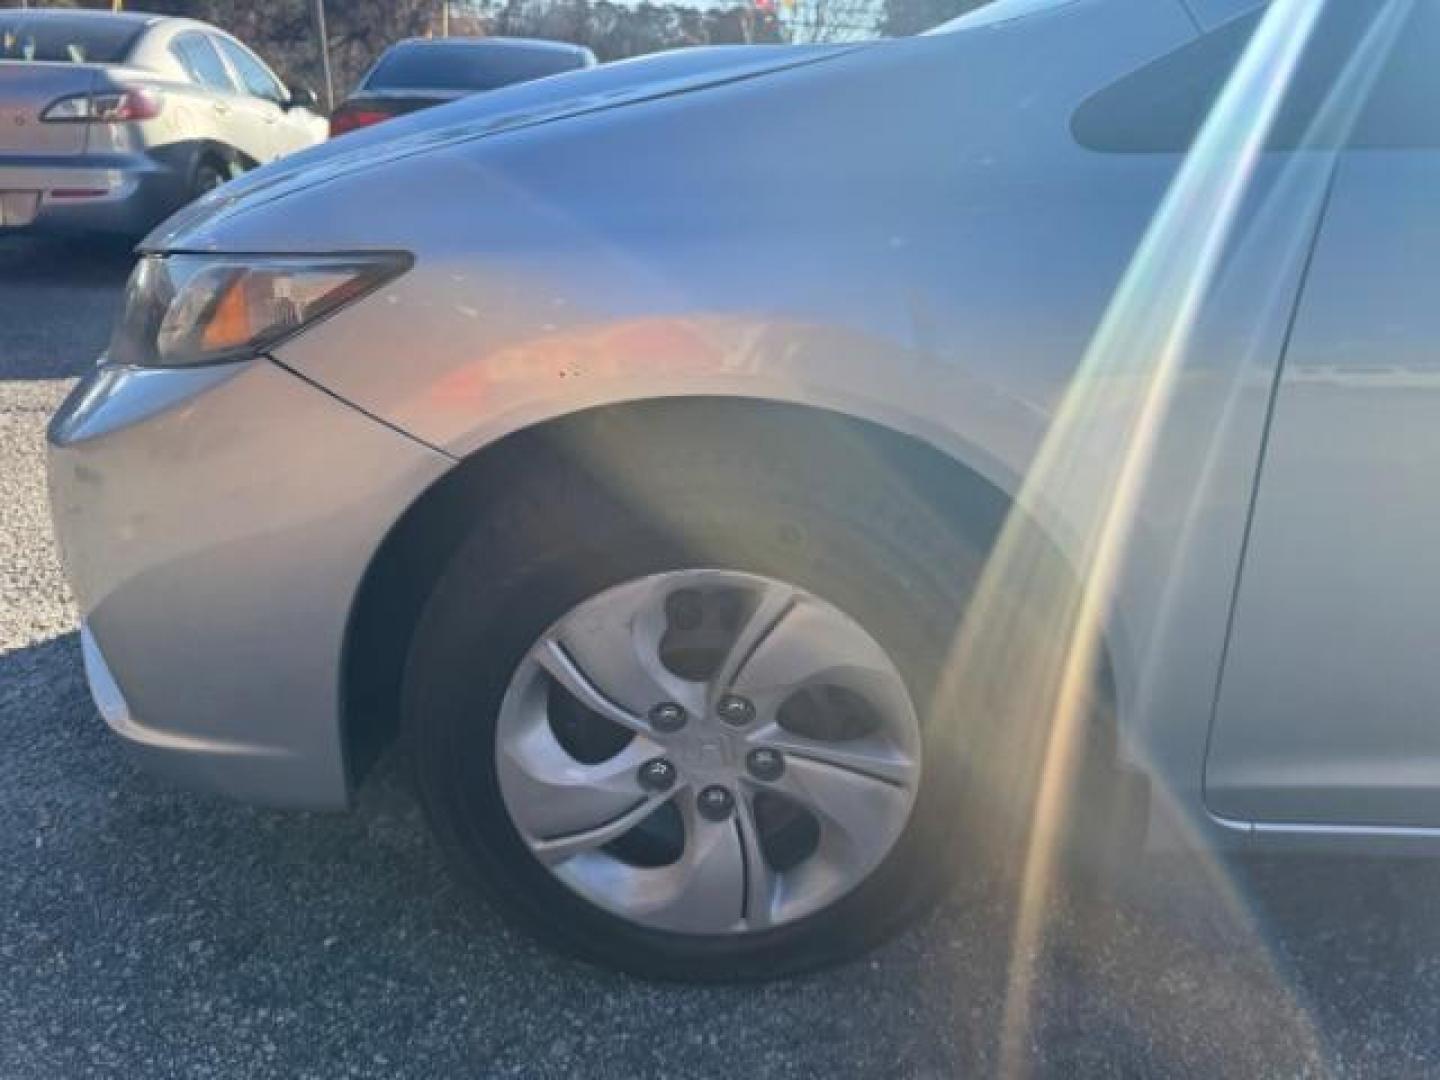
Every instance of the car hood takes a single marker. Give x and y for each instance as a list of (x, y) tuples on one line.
[(570, 94)]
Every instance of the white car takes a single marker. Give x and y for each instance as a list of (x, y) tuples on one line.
[(111, 121)]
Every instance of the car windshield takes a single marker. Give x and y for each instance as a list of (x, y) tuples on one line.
[(72, 40), (467, 65)]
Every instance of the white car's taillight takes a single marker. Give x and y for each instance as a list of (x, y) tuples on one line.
[(109, 107)]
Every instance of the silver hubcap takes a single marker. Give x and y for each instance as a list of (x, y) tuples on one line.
[(708, 752)]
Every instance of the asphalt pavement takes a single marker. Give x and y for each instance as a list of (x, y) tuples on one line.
[(149, 932)]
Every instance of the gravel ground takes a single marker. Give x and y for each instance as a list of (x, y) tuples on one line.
[(150, 932)]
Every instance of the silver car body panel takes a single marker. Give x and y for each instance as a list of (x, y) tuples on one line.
[(1328, 707), (25, 89), (739, 234), (609, 86), (1211, 13), (214, 524)]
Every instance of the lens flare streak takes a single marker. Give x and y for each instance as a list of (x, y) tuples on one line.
[(1098, 454)]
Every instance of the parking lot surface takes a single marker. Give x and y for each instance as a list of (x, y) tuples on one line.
[(149, 932)]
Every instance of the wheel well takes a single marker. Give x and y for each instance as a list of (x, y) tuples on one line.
[(419, 546), (226, 158)]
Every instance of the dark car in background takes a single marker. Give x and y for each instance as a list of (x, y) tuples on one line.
[(421, 72), (110, 121)]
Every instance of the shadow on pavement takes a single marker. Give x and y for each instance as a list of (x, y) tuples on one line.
[(39, 260), (155, 931), (58, 299)]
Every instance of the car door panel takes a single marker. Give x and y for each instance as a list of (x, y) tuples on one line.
[(1328, 706), (197, 114), (255, 114), (1326, 712)]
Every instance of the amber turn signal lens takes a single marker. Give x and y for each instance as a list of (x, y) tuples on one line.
[(230, 325)]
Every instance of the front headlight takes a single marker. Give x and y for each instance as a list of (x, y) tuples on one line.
[(205, 309)]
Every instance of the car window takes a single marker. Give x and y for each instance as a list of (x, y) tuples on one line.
[(1161, 106), (253, 75), (468, 65), (86, 40), (198, 57)]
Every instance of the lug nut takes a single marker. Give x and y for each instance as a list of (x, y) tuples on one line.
[(715, 803), (735, 710), (657, 774), (667, 717), (765, 764)]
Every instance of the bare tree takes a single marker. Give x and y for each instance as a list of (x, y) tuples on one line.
[(282, 31), (831, 20), (905, 17)]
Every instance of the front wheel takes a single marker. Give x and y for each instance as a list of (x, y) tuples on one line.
[(680, 724)]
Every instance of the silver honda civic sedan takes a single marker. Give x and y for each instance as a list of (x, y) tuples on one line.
[(758, 484)]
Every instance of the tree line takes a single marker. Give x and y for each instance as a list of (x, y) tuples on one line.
[(282, 31)]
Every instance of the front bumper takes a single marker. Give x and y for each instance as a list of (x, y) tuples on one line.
[(120, 194), (215, 524)]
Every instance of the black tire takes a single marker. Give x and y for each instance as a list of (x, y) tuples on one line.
[(620, 499), (209, 174)]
